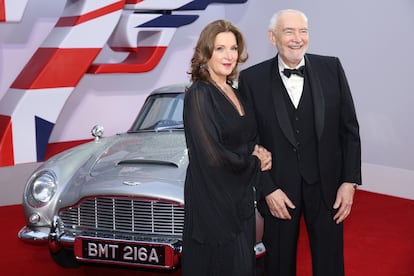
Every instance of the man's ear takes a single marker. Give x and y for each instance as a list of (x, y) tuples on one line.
[(272, 37)]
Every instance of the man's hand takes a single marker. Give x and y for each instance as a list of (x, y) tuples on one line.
[(344, 200), (264, 156), (277, 202)]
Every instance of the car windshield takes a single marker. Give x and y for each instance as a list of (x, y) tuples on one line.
[(161, 112)]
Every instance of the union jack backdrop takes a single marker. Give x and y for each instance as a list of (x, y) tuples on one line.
[(140, 29)]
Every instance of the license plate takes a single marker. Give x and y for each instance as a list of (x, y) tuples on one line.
[(128, 253)]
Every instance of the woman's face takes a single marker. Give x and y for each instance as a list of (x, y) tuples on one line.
[(224, 57)]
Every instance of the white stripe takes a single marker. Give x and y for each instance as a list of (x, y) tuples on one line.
[(91, 34), (81, 7), (14, 10), (157, 5), (159, 36), (127, 34)]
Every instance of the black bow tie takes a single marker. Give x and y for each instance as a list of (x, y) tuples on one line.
[(300, 72)]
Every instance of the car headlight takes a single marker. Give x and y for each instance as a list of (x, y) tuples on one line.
[(41, 189)]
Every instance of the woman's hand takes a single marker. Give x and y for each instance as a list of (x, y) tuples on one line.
[(264, 156)]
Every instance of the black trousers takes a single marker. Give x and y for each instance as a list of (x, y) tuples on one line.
[(325, 236)]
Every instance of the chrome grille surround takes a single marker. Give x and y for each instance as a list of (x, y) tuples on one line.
[(124, 215)]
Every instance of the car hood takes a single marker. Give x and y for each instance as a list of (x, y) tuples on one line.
[(154, 155), (150, 164)]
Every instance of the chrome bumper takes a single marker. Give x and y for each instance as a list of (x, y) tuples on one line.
[(58, 239), (33, 236)]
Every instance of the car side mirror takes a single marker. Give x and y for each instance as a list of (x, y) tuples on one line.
[(97, 132)]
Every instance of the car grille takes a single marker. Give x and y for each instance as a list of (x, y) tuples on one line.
[(125, 215)]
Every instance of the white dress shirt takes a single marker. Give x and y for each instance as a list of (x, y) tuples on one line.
[(294, 84)]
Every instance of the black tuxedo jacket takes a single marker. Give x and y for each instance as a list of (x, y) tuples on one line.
[(336, 125)]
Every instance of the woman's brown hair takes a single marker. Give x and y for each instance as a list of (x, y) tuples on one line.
[(205, 47)]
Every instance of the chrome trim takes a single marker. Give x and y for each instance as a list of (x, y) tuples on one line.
[(58, 240), (97, 132), (55, 234), (124, 215), (33, 236)]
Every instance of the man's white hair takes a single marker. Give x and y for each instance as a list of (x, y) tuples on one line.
[(274, 21)]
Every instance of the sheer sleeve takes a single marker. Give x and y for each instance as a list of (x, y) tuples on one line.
[(203, 127)]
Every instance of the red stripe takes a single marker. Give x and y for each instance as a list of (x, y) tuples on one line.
[(129, 2), (55, 148), (76, 20), (6, 141), (2, 11), (55, 67), (142, 59)]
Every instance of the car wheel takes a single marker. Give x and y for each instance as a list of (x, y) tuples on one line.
[(65, 258)]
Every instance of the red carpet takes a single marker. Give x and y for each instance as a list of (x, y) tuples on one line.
[(379, 241)]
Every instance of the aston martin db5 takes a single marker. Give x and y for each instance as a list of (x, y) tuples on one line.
[(117, 200)]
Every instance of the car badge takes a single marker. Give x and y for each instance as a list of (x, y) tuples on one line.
[(131, 183)]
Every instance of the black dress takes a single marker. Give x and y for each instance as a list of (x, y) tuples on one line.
[(219, 227)]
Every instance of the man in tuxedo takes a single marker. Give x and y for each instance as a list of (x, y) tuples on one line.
[(306, 118)]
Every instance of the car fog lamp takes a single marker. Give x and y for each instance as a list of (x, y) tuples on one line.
[(44, 187), (34, 218)]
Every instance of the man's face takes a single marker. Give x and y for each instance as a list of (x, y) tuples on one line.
[(291, 38)]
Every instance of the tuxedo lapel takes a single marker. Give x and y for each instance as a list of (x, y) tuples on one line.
[(279, 104), (317, 97)]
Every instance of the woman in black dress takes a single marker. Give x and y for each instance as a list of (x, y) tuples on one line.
[(225, 160)]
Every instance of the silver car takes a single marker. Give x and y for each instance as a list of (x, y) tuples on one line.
[(117, 200)]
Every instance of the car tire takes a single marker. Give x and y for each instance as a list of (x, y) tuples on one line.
[(65, 258)]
